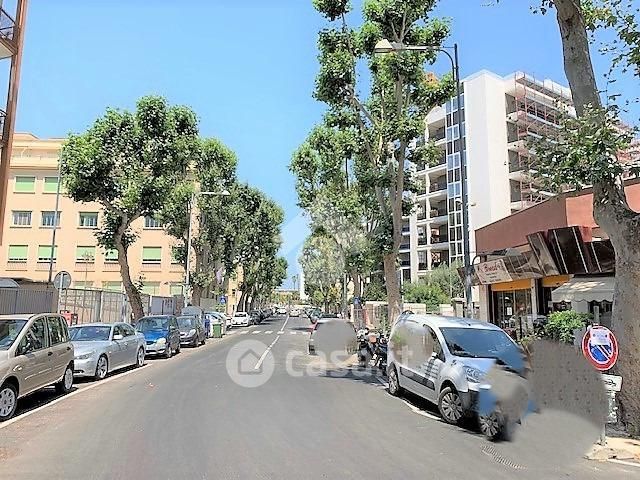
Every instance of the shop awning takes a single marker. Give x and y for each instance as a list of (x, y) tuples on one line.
[(585, 289)]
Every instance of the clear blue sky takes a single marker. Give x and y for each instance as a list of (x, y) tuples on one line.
[(247, 68)]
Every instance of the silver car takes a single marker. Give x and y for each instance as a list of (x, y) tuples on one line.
[(101, 348), (35, 352), (445, 360)]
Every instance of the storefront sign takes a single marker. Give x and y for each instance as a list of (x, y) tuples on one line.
[(493, 271)]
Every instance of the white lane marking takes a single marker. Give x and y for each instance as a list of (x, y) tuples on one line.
[(264, 355), (69, 395), (256, 331), (623, 462), (292, 332), (243, 332), (268, 332), (415, 409), (285, 323)]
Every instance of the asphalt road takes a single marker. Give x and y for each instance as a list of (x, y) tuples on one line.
[(186, 418)]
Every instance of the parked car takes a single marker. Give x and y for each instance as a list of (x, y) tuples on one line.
[(294, 312), (100, 348), (255, 317), (282, 311), (161, 333), (35, 351), (192, 330), (444, 360), (241, 319)]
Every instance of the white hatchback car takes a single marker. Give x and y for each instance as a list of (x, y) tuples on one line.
[(444, 360), (241, 319)]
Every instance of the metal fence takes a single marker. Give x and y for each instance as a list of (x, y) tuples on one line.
[(95, 305), (17, 300)]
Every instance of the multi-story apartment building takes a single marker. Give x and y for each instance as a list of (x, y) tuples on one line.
[(25, 251), (11, 45), (499, 114)]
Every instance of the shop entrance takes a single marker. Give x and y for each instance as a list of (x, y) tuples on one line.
[(512, 311)]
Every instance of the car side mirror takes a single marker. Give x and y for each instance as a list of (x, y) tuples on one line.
[(118, 337)]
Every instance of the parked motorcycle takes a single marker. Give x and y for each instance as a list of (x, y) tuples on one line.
[(380, 352), (365, 349)]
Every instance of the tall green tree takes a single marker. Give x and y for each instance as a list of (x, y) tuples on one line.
[(392, 118), (127, 162), (323, 265), (590, 158), (214, 170)]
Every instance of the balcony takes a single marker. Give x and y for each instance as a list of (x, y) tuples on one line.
[(406, 229), (405, 263), (437, 186), (439, 242), (405, 247), (8, 34), (17, 265)]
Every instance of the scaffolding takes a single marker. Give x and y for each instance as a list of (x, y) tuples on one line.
[(537, 112)]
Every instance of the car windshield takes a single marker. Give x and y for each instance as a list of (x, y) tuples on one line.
[(153, 323), (186, 322), (9, 331), (481, 343), (90, 333)]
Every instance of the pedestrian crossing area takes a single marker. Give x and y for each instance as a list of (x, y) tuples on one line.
[(267, 332)]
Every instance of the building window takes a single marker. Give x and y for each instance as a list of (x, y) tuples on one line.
[(151, 255), (111, 256), (175, 289), (453, 133), (86, 254), (112, 286), (151, 288), (21, 218), (25, 185), (44, 253), (151, 222), (88, 220), (453, 189), (50, 185), (453, 160), (82, 285), (49, 219), (18, 253)]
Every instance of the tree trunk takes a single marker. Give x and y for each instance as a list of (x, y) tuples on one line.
[(243, 298), (612, 213), (196, 294), (130, 289), (394, 298)]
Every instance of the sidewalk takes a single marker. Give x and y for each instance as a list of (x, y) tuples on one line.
[(617, 448)]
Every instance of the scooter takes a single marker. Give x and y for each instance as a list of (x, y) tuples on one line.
[(380, 351), (365, 349)]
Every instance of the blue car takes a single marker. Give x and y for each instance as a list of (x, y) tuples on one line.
[(161, 333)]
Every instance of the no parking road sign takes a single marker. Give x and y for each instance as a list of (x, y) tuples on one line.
[(600, 347)]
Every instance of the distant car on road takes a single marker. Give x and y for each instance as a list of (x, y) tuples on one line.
[(294, 312), (241, 319), (282, 311), (100, 348), (161, 333), (35, 351), (192, 330)]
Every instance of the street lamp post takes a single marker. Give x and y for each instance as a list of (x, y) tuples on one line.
[(55, 228), (187, 283), (385, 46)]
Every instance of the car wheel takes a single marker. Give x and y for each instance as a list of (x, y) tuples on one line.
[(8, 401), (102, 368), (168, 352), (492, 425), (140, 357), (394, 382), (66, 384), (450, 406)]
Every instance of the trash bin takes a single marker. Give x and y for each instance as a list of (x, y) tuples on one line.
[(217, 330)]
